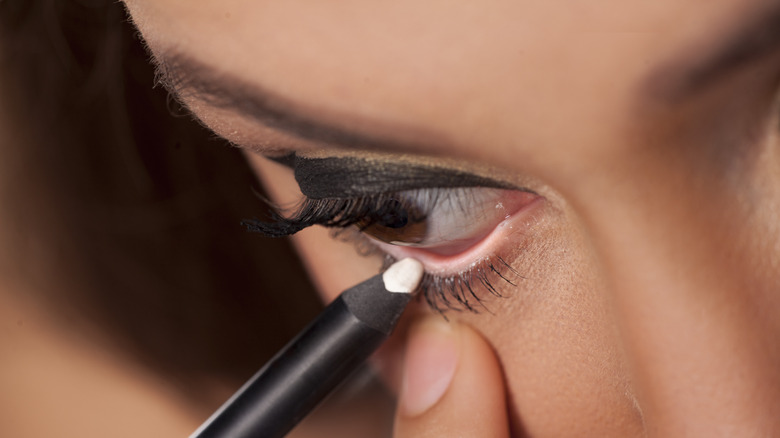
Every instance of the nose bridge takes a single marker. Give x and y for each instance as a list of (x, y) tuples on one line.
[(668, 227), (657, 209)]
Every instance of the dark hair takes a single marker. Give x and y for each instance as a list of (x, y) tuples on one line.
[(125, 211)]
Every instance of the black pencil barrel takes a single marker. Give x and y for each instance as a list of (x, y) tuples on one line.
[(311, 366)]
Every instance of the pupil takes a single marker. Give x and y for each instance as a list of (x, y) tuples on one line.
[(393, 216)]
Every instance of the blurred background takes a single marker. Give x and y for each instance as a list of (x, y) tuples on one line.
[(132, 302)]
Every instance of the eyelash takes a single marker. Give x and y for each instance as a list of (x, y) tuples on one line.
[(334, 213), (456, 292), (350, 215)]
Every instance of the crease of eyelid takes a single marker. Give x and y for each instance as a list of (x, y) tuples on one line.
[(350, 176)]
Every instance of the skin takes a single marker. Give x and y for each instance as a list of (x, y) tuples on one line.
[(649, 300)]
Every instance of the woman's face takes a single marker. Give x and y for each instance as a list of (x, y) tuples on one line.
[(633, 234)]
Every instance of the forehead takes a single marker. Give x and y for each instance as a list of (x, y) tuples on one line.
[(459, 67)]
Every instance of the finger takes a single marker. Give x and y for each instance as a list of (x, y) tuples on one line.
[(452, 385)]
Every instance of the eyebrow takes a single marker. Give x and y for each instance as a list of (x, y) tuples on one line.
[(751, 40), (187, 78), (682, 77)]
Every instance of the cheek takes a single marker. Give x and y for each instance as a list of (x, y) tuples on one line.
[(556, 341)]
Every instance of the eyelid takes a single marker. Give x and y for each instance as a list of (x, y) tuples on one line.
[(351, 176)]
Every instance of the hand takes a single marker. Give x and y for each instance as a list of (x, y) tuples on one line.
[(452, 384)]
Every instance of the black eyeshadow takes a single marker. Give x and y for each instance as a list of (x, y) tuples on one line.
[(349, 177)]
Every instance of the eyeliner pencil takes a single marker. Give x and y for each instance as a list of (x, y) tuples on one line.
[(316, 361)]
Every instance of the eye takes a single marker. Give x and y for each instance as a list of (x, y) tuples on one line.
[(442, 221), (460, 234)]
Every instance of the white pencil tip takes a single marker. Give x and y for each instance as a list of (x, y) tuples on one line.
[(403, 276)]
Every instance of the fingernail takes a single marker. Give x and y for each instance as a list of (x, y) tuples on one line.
[(429, 365)]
